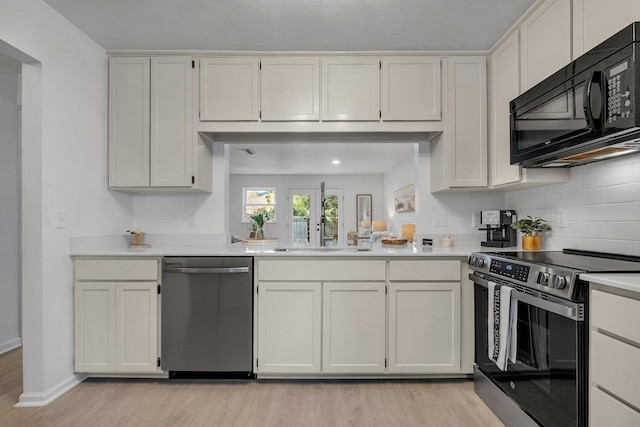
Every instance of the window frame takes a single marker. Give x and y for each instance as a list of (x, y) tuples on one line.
[(245, 190)]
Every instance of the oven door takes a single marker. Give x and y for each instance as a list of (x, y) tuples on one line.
[(548, 379)]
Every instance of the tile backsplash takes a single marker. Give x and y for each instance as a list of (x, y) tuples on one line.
[(598, 209)]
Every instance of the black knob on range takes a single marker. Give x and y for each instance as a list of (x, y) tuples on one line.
[(557, 282), (480, 262), (542, 279)]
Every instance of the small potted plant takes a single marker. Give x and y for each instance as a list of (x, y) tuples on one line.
[(258, 220), (531, 227)]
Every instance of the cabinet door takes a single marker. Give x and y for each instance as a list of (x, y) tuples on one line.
[(505, 86), (545, 38), (411, 88), (129, 91), (594, 21), (95, 327), (289, 324), (229, 89), (467, 125), (290, 88), (171, 121), (351, 88), (424, 327), (136, 321), (353, 325)]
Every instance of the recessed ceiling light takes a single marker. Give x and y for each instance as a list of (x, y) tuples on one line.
[(336, 162)]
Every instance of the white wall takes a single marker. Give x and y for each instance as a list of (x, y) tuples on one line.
[(601, 204), (458, 207), (169, 213), (350, 184), (9, 210), (64, 146), (399, 176)]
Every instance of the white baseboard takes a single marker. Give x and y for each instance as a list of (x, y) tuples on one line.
[(31, 399), (10, 345)]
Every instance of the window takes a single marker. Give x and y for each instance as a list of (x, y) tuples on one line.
[(258, 200)]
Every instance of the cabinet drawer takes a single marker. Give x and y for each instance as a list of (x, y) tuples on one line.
[(616, 314), (606, 411), (301, 269), (424, 270), (117, 269), (615, 367)]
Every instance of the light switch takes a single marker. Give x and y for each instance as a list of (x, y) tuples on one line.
[(60, 219)]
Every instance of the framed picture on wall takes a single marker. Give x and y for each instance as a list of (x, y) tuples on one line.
[(405, 198)]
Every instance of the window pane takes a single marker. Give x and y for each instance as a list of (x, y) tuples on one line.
[(265, 196)]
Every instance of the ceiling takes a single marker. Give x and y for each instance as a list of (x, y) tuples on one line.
[(293, 25), (316, 158)]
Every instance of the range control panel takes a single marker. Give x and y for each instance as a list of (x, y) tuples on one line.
[(510, 270)]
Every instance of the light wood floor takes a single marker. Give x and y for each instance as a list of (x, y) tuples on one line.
[(124, 403)]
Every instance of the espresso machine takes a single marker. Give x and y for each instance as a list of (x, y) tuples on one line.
[(498, 228)]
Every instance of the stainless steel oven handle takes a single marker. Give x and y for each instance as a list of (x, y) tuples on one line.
[(198, 270), (569, 310)]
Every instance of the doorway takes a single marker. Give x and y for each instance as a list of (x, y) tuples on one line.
[(305, 216), (10, 283)]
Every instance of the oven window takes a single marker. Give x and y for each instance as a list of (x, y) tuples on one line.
[(544, 381)]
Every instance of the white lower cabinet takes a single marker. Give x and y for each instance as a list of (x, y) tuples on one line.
[(424, 327), (329, 317), (289, 325), (353, 327), (614, 352), (116, 321)]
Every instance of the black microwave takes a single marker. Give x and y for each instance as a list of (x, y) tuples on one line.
[(585, 112)]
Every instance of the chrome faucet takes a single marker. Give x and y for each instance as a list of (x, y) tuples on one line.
[(322, 215)]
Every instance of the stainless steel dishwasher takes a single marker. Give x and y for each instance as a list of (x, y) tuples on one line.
[(207, 317)]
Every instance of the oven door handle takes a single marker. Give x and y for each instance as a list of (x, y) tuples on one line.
[(567, 309)]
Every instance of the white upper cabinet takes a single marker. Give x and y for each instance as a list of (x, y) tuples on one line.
[(459, 156), (229, 89), (505, 86), (129, 99), (151, 136), (171, 121), (411, 88), (589, 26), (290, 88), (351, 88), (545, 39)]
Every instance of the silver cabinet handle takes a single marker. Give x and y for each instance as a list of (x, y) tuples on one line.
[(198, 270)]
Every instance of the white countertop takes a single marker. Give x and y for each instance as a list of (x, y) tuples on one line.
[(629, 282), (210, 245)]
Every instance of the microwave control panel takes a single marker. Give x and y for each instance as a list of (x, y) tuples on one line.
[(619, 103)]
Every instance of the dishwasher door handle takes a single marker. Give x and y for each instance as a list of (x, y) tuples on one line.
[(203, 270)]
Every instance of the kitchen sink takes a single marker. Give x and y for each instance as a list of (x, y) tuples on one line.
[(320, 249)]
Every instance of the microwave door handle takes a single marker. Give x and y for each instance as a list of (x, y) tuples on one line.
[(594, 79)]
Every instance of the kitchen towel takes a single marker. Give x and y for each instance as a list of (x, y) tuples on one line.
[(502, 325)]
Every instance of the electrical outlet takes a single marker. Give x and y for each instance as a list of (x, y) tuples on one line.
[(191, 220), (440, 220), (476, 219), (561, 218)]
